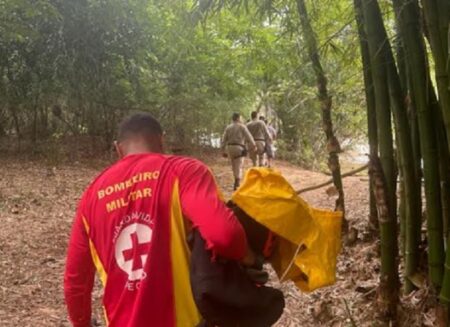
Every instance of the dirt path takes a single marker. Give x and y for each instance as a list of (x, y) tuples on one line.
[(37, 204)]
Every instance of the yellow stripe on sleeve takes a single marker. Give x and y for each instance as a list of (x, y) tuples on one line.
[(186, 312), (95, 258)]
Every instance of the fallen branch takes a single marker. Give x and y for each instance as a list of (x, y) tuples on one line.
[(349, 314), (350, 173)]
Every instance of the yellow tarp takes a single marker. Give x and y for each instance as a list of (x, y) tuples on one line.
[(310, 238)]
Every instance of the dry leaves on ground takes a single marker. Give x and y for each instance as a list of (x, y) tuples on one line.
[(37, 204)]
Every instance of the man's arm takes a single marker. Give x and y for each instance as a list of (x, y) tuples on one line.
[(267, 135), (273, 132), (202, 205), (249, 138), (224, 140), (79, 275)]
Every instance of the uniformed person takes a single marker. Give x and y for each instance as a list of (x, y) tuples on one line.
[(234, 145), (137, 243), (270, 149), (261, 135)]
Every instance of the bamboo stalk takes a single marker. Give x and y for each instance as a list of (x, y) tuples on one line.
[(388, 282), (444, 296), (406, 161), (437, 22), (415, 139), (370, 101), (444, 159), (333, 145), (408, 16), (402, 216), (383, 170)]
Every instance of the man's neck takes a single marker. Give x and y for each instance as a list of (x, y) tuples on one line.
[(129, 153), (140, 150)]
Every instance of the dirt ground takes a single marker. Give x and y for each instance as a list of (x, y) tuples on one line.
[(37, 203)]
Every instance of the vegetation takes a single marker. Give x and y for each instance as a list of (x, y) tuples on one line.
[(364, 71), (74, 68)]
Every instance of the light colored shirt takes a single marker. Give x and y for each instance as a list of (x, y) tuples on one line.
[(272, 132), (237, 134), (259, 130)]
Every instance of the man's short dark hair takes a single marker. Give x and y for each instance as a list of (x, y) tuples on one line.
[(139, 125), (235, 116), (254, 114)]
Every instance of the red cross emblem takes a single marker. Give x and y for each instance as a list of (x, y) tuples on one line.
[(136, 251), (132, 250)]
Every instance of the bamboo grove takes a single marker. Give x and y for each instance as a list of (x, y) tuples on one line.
[(408, 109), (75, 67), (412, 148)]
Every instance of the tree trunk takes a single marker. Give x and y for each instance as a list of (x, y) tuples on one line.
[(333, 145), (444, 296), (388, 282), (405, 157), (370, 102), (34, 133), (408, 15), (437, 22), (388, 231), (402, 216), (444, 159), (411, 189), (16, 126), (415, 139), (406, 162)]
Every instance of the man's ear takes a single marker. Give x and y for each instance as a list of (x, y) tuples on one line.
[(118, 149)]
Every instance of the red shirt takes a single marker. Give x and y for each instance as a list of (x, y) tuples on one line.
[(129, 227)]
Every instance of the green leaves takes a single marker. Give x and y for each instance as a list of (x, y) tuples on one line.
[(197, 61)]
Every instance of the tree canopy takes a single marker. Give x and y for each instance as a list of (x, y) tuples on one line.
[(77, 67), (373, 72)]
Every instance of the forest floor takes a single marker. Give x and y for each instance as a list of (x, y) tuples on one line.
[(37, 204)]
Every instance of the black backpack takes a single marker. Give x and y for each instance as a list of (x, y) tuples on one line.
[(226, 295)]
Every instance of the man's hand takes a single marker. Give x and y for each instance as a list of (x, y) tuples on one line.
[(260, 277), (249, 259)]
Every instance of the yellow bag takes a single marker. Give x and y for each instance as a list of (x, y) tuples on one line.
[(309, 238)]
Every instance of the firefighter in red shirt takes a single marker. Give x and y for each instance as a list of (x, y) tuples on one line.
[(131, 227)]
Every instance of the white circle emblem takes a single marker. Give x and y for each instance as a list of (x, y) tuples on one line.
[(132, 249)]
